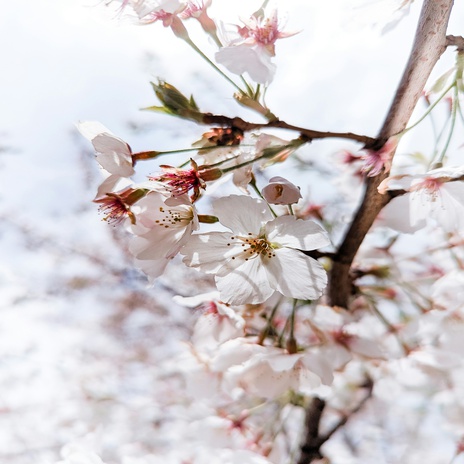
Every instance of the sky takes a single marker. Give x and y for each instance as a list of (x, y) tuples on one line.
[(74, 60)]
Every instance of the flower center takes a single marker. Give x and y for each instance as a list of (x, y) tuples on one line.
[(267, 32), (255, 246), (431, 186), (170, 218)]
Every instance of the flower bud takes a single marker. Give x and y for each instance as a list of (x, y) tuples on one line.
[(174, 102), (280, 191)]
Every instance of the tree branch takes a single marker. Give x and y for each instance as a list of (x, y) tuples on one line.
[(243, 125), (313, 440), (429, 44), (455, 41)]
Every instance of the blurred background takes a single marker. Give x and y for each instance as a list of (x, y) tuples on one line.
[(82, 336)]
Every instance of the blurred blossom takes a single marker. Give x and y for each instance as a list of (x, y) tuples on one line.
[(437, 195), (377, 160)]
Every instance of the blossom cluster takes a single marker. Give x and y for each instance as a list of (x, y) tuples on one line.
[(268, 340), (246, 48), (262, 254)]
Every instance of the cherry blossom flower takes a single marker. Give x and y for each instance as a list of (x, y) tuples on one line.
[(280, 191), (163, 226), (117, 206), (253, 49), (166, 11), (267, 371), (179, 181), (113, 154), (261, 255), (437, 195), (144, 7), (198, 9), (376, 160), (218, 323), (448, 291)]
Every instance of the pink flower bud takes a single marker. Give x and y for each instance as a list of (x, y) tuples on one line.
[(280, 191)]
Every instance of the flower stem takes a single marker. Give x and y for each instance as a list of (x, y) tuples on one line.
[(265, 332), (439, 161), (256, 189), (291, 341), (429, 109), (190, 42)]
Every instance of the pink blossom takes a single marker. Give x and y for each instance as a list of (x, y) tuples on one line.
[(181, 181), (163, 225), (436, 195), (253, 47), (376, 161), (280, 191)]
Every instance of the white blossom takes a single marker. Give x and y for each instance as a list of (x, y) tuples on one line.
[(163, 225), (280, 191), (437, 195), (112, 153), (261, 255), (267, 371), (253, 47)]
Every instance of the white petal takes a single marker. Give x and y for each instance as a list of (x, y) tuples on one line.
[(208, 251), (107, 186), (113, 154), (152, 268), (396, 215), (365, 347), (419, 207), (283, 361), (320, 366), (451, 215), (245, 284), (280, 191), (158, 243), (296, 233), (196, 300), (242, 214), (242, 58), (296, 275), (149, 6)]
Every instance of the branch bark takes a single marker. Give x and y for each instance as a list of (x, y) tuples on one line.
[(455, 41), (429, 44), (245, 126)]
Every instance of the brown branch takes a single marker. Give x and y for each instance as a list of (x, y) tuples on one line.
[(313, 440), (243, 125), (429, 44), (455, 41)]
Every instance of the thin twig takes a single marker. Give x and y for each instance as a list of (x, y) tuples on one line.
[(243, 125), (455, 41)]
